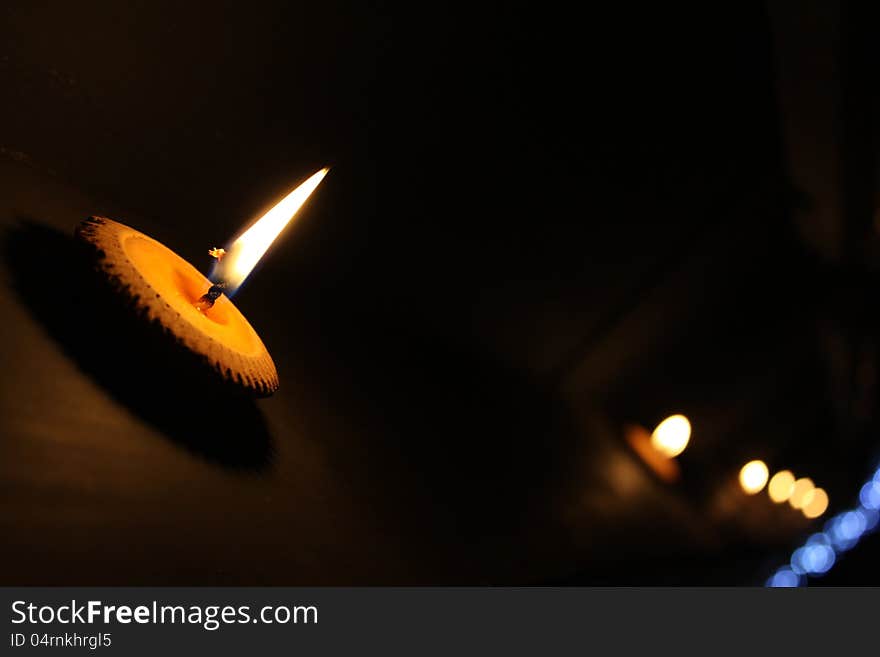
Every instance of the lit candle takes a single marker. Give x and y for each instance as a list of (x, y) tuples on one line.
[(659, 448), (167, 290)]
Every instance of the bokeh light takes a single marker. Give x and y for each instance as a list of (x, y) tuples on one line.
[(841, 539), (753, 477), (781, 486), (841, 533), (818, 559), (784, 578), (869, 496), (852, 525), (799, 492), (797, 561), (872, 516), (672, 435), (816, 556), (815, 503)]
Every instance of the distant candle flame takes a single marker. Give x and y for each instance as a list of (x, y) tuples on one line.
[(217, 253), (250, 246)]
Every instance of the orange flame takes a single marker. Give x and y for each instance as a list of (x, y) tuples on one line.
[(250, 246)]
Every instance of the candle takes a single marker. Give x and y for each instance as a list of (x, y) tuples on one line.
[(167, 290), (658, 449), (639, 439)]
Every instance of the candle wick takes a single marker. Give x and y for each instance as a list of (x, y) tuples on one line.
[(207, 300)]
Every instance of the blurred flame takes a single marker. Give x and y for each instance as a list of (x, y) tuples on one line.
[(815, 503), (799, 493), (753, 477), (250, 246), (781, 486), (672, 435)]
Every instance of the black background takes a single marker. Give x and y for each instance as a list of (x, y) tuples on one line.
[(539, 225)]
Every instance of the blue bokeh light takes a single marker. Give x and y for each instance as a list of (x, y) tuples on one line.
[(818, 558), (840, 542), (846, 529), (797, 561), (872, 516), (869, 496), (784, 578), (852, 525), (819, 552)]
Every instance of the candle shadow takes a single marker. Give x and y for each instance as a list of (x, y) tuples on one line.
[(164, 387)]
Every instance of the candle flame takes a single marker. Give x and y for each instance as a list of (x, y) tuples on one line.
[(240, 259)]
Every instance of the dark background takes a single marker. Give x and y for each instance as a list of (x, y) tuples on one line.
[(539, 225)]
